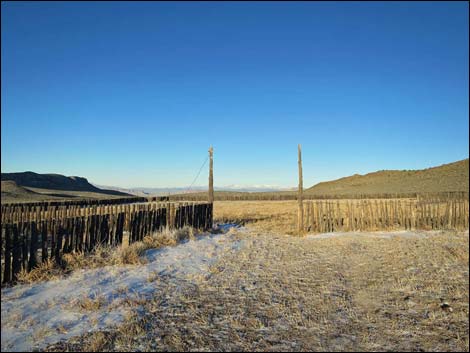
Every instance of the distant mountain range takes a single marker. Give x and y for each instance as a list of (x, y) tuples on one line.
[(146, 191)]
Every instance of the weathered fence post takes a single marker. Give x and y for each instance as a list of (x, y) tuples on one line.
[(211, 186), (33, 247), (8, 253), (300, 214)]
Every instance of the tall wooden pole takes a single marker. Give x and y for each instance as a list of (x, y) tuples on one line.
[(300, 213), (211, 186), (211, 176)]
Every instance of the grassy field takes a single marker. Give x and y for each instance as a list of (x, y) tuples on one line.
[(269, 216), (381, 291)]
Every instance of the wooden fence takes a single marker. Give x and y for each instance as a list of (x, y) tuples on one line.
[(293, 195), (33, 234), (363, 215)]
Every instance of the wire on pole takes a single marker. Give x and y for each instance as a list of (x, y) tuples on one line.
[(198, 173)]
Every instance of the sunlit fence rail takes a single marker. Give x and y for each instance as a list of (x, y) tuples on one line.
[(357, 215), (34, 234)]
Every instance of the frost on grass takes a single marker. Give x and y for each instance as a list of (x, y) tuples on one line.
[(36, 315), (377, 234), (358, 292)]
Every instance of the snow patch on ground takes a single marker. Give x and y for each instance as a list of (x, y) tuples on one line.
[(34, 316), (378, 234)]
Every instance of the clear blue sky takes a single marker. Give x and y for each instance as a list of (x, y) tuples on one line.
[(133, 94)]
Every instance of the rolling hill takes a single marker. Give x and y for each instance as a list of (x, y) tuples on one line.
[(447, 177), (30, 186), (11, 192)]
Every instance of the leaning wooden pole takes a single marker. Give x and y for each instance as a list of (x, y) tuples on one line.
[(300, 213), (211, 185)]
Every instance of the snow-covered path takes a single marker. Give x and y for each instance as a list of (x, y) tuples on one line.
[(34, 316)]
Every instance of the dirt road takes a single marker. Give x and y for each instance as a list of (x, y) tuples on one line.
[(368, 291)]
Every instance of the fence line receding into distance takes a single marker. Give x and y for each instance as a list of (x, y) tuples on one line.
[(293, 195)]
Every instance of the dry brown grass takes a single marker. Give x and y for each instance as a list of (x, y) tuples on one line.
[(270, 216), (45, 271), (280, 293), (92, 303), (104, 256)]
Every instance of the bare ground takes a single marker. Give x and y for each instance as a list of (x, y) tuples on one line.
[(365, 293)]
